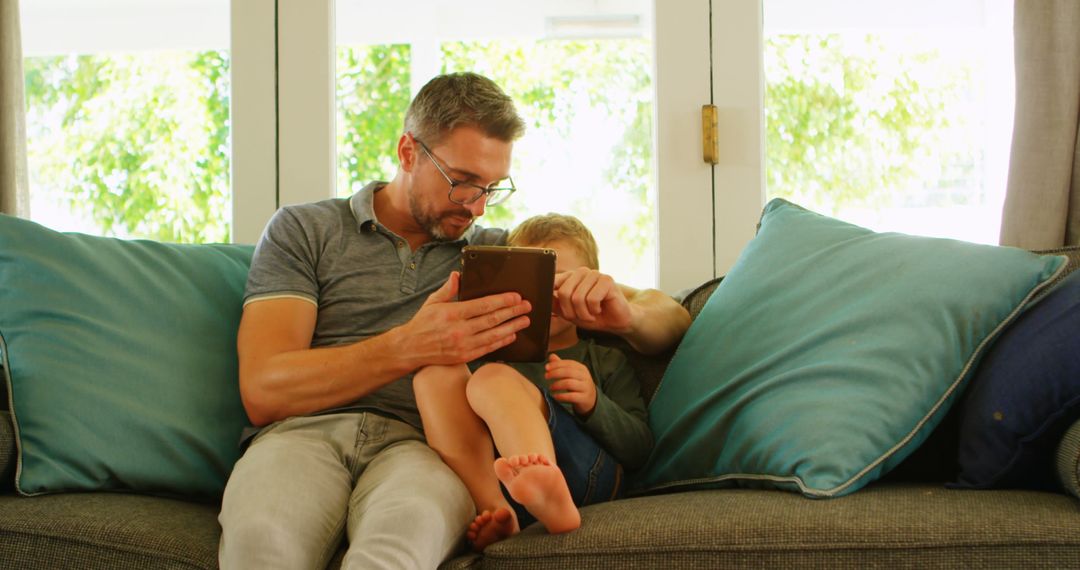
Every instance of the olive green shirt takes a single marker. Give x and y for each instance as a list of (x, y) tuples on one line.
[(619, 422)]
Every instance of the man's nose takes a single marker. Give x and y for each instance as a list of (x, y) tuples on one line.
[(477, 208)]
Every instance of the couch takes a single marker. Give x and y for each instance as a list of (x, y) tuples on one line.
[(906, 519)]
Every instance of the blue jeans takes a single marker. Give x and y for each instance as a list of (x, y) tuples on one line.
[(591, 473)]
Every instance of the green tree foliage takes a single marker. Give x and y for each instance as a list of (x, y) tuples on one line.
[(545, 79), (138, 143), (372, 95), (841, 130)]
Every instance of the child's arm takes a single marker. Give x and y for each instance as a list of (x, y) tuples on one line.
[(617, 416)]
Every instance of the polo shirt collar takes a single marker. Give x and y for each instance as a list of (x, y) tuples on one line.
[(362, 204)]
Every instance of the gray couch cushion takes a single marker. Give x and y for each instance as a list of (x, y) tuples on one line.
[(107, 530), (885, 526)]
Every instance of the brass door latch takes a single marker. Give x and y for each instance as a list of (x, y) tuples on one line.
[(710, 141)]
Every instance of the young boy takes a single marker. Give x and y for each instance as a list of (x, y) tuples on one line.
[(563, 429)]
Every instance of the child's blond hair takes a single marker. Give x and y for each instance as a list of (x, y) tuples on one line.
[(548, 228)]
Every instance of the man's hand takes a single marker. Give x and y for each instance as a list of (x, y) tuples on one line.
[(648, 319), (445, 331), (592, 300), (571, 382)]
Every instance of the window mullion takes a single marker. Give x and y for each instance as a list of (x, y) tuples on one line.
[(254, 118)]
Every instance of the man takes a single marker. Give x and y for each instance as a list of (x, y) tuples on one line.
[(345, 300)]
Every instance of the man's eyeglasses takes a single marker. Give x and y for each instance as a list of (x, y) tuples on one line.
[(462, 192)]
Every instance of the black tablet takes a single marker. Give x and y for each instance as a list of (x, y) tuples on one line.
[(528, 271)]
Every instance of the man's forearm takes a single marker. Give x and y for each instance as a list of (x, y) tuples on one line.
[(658, 322), (311, 380), (281, 377)]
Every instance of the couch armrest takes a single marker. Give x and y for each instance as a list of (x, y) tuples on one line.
[(1068, 460)]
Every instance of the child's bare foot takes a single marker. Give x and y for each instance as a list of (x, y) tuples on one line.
[(489, 527), (540, 487)]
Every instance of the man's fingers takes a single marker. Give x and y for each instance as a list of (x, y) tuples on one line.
[(491, 303), (466, 330), (491, 320), (490, 347), (497, 337), (448, 292)]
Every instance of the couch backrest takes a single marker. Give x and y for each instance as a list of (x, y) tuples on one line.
[(7, 452), (7, 441), (935, 460)]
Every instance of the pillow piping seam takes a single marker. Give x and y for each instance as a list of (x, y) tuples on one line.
[(737, 477), (1075, 473), (955, 384), (11, 408), (757, 230), (834, 491)]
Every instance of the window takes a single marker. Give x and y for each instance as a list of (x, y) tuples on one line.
[(581, 77), (892, 116), (128, 117)]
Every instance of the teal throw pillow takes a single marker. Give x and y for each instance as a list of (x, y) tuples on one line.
[(120, 360), (828, 354)]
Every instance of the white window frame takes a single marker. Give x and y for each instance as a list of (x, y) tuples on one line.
[(295, 106)]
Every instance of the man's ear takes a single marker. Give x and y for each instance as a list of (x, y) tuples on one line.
[(406, 152)]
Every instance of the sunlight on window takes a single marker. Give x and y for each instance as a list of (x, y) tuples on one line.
[(127, 117), (894, 129), (587, 150), (130, 145)]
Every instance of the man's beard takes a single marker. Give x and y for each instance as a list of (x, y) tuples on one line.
[(433, 224)]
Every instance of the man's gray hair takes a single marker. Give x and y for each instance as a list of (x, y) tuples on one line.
[(459, 100)]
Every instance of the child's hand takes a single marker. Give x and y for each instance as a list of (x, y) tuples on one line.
[(571, 382), (592, 300)]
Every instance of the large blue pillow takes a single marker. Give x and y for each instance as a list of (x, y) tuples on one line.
[(120, 360), (828, 353), (1024, 396)]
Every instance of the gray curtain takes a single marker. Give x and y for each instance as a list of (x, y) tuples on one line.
[(1042, 204), (14, 194)]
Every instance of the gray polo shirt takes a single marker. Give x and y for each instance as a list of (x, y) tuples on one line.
[(363, 278)]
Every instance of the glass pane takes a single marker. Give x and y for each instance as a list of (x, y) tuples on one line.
[(372, 95), (894, 121), (581, 77), (128, 118)]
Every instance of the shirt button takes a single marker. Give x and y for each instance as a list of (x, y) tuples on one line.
[(412, 266), (401, 244)]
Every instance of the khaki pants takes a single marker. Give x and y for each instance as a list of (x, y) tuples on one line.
[(306, 481)]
